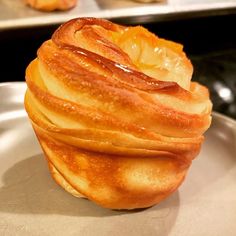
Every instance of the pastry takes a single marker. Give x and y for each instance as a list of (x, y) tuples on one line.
[(51, 5), (115, 112)]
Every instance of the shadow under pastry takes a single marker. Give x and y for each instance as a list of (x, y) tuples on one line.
[(28, 188)]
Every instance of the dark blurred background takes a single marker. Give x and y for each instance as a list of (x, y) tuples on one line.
[(209, 41)]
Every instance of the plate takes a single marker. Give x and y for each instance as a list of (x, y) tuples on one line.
[(32, 204), (15, 14)]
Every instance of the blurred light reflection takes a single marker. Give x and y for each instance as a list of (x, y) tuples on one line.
[(12, 115)]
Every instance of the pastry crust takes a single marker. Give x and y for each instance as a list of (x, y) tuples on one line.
[(51, 5), (115, 112)]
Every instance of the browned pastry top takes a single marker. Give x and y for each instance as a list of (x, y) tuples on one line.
[(51, 5)]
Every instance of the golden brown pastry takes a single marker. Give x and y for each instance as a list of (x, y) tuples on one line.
[(51, 5), (115, 112)]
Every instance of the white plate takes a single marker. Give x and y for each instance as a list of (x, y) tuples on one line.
[(32, 204)]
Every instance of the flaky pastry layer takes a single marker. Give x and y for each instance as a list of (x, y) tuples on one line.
[(115, 112)]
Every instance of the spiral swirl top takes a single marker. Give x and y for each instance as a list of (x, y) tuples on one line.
[(116, 112)]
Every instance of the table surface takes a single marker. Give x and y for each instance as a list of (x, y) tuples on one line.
[(15, 14)]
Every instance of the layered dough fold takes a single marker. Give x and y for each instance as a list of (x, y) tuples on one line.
[(115, 112)]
